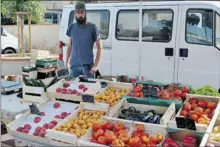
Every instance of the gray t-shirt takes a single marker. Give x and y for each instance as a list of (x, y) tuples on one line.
[(83, 38)]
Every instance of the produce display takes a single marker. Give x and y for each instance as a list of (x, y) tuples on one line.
[(117, 135), (171, 92), (199, 110), (72, 89), (188, 141), (206, 90), (215, 135), (111, 95), (147, 116), (80, 124)]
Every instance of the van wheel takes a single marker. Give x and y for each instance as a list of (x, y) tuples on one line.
[(9, 51)]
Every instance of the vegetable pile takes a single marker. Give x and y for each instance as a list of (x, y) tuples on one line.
[(206, 90), (147, 116)]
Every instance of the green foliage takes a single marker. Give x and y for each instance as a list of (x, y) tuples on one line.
[(36, 8)]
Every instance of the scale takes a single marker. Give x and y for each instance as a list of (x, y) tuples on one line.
[(8, 87)]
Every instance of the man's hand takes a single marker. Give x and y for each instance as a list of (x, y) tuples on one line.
[(93, 69)]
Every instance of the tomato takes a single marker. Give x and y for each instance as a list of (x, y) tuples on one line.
[(137, 89), (193, 101), (136, 134), (202, 103), (144, 138), (211, 105), (100, 132), (96, 126), (108, 126), (119, 126), (117, 143), (194, 105), (194, 117), (134, 142), (165, 96), (141, 94), (110, 136), (185, 89), (124, 138), (137, 94), (208, 111), (140, 127), (102, 140), (178, 93), (183, 113), (187, 106)]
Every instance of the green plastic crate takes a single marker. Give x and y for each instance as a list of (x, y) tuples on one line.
[(28, 68), (45, 63)]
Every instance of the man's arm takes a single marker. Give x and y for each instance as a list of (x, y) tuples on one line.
[(68, 52)]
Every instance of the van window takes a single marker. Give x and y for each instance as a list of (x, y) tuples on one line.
[(157, 25), (217, 31), (127, 25), (100, 18), (199, 27)]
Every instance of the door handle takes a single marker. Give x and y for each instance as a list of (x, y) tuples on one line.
[(183, 52), (169, 52)]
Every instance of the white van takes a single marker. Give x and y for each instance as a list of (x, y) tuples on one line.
[(9, 43), (167, 41)]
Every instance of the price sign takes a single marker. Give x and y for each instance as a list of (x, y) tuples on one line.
[(185, 123), (88, 98), (34, 109), (150, 91)]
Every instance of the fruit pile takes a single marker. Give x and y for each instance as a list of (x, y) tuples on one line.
[(147, 116), (81, 124), (117, 135), (188, 141), (215, 135), (206, 90), (111, 96), (171, 92), (40, 130), (199, 110), (67, 90)]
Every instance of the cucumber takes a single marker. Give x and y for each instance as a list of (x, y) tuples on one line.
[(53, 81), (38, 84), (42, 84), (25, 81), (34, 82)]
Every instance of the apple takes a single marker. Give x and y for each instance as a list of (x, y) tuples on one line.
[(46, 125), (187, 107), (74, 92), (51, 126), (38, 129), (193, 100), (185, 89), (81, 86), (85, 89), (56, 105), (64, 114), (53, 122), (203, 104), (37, 119), (183, 113), (26, 131), (58, 116), (19, 129), (211, 105), (58, 90), (27, 126)]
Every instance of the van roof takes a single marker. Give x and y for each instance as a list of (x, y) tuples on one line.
[(116, 4)]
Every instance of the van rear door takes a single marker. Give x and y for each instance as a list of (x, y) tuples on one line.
[(198, 58), (159, 28)]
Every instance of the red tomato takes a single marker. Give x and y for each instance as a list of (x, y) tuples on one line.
[(165, 96), (187, 106), (194, 117), (137, 89), (185, 89), (183, 113), (208, 111), (202, 103), (194, 105), (178, 93), (192, 100), (184, 95), (136, 94), (136, 134), (211, 105)]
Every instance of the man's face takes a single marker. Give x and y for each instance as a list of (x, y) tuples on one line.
[(81, 17)]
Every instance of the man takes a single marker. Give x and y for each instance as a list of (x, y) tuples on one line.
[(82, 36)]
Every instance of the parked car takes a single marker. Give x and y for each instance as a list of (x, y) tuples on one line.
[(9, 43), (178, 42)]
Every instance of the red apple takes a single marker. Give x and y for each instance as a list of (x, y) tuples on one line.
[(187, 107), (38, 129), (203, 104), (19, 129), (37, 119), (27, 126), (193, 100), (56, 105), (185, 89)]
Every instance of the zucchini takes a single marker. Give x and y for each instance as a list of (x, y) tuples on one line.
[(25, 81), (42, 84), (53, 81), (34, 82), (38, 84)]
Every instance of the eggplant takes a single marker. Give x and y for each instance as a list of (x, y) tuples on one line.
[(152, 112), (153, 119), (146, 118)]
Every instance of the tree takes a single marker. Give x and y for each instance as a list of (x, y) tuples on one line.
[(36, 8)]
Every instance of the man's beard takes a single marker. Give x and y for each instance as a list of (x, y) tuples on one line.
[(81, 20)]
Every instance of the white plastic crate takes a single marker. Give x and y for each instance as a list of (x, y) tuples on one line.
[(200, 127)]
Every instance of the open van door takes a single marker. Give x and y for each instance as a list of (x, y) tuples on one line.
[(198, 58), (158, 46)]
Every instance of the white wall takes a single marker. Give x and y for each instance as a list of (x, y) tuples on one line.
[(44, 36)]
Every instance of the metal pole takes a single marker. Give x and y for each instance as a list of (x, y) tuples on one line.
[(29, 26)]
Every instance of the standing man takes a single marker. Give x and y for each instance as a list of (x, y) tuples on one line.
[(82, 36)]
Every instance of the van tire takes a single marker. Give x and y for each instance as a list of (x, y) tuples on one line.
[(9, 51)]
